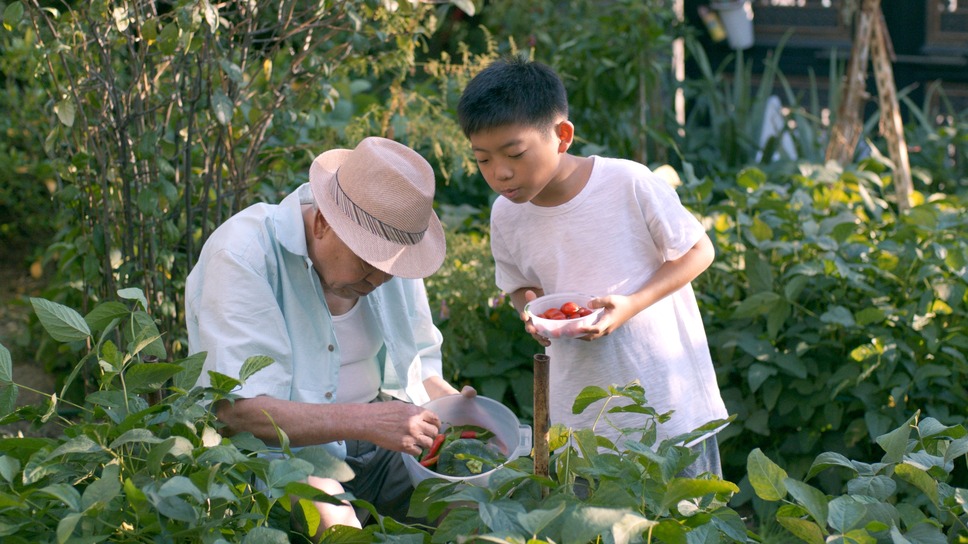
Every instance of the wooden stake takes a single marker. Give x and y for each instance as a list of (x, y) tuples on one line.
[(542, 421)]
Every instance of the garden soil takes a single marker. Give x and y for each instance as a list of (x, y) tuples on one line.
[(17, 284)]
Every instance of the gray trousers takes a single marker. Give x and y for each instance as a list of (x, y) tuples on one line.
[(381, 480)]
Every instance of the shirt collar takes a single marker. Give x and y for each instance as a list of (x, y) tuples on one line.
[(288, 221)]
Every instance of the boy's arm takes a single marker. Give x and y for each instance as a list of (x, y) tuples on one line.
[(519, 299), (670, 277)]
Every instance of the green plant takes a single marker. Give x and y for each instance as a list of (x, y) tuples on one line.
[(142, 460), (597, 492), (164, 118), (909, 495), (830, 316)]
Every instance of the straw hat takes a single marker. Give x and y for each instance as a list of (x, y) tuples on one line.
[(379, 200)]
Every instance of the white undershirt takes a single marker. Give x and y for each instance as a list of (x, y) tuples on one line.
[(359, 343)]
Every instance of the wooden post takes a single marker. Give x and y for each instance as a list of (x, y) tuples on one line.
[(872, 43), (891, 125), (846, 131), (542, 420)]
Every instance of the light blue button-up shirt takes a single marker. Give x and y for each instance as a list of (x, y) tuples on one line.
[(254, 291)]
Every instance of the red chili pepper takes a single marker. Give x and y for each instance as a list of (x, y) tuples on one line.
[(432, 452), (430, 461), (468, 434)]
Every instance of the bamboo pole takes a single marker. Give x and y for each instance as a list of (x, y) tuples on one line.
[(541, 418)]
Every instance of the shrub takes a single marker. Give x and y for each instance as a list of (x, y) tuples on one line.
[(142, 460), (909, 495)]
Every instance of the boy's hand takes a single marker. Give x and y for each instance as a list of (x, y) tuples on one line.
[(618, 310), (530, 295)]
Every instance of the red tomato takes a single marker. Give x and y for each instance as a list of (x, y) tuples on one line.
[(582, 312), (570, 308), (554, 313)]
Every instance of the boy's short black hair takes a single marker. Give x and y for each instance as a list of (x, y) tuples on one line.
[(510, 91)]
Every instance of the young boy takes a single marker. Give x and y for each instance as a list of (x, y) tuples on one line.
[(604, 226)]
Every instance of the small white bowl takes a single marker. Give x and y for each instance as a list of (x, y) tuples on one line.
[(560, 328)]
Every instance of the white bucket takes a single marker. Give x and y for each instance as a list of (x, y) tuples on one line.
[(510, 437), (737, 18)]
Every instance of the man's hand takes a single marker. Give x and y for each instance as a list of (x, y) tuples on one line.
[(398, 426)]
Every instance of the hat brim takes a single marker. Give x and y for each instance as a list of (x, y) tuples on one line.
[(406, 261)]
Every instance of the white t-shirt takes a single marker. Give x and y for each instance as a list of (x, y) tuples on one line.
[(359, 340), (610, 239)]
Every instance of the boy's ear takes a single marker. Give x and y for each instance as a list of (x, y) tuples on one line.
[(566, 134)]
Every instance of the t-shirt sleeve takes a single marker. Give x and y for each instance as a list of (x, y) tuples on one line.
[(672, 226), (507, 275), (237, 318)]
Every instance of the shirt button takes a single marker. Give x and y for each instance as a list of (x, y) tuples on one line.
[(331, 347), (329, 395)]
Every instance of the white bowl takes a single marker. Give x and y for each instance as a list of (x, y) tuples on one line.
[(560, 328), (511, 437)]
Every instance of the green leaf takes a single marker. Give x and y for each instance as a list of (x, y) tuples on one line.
[(284, 471), (149, 30), (178, 447), (191, 370), (757, 304), (688, 488), (846, 514), (134, 293), (809, 497), (62, 323), (168, 39), (766, 477), (956, 449), (137, 436), (895, 443), (266, 535), (588, 396), (254, 364), (65, 527), (66, 494), (221, 382), (838, 315), (804, 529), (535, 521), (325, 464), (80, 444), (146, 337), (759, 373), (103, 490), (9, 467), (223, 108), (8, 389), (104, 314), (210, 13), (6, 365), (65, 111), (13, 14), (180, 485), (827, 460), (919, 479), (149, 377)]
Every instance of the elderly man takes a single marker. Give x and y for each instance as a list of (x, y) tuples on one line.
[(328, 283)]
